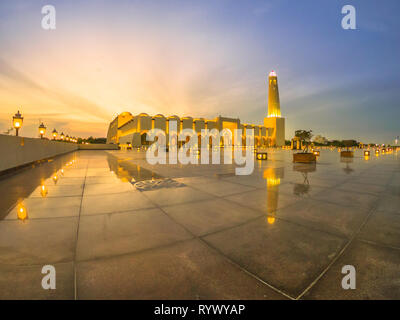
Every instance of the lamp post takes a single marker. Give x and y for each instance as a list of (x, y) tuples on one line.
[(55, 134), (42, 130), (17, 122), (62, 136)]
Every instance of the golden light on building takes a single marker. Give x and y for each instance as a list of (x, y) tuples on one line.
[(54, 133), (55, 179), (22, 213), (42, 130), (18, 119), (274, 107), (367, 153), (316, 152)]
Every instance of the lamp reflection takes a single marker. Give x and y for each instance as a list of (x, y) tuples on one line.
[(126, 171)]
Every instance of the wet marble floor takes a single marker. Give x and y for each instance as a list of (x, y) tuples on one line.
[(116, 227)]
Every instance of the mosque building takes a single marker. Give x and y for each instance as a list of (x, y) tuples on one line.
[(131, 130)]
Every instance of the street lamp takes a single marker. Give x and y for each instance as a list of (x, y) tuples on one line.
[(42, 130), (55, 134), (17, 122), (62, 136), (67, 138)]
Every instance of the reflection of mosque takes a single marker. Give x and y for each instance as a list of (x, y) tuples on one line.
[(273, 177), (126, 171)]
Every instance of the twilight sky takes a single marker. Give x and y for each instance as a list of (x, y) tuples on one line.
[(202, 58)]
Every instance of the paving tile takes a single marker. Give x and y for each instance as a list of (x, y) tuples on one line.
[(263, 200), (25, 283), (221, 188), (286, 255), (109, 203), (37, 241), (171, 196), (49, 191), (389, 203), (186, 270), (324, 216), (377, 274), (120, 233), (107, 188), (347, 198), (210, 215), (382, 227), (48, 207)]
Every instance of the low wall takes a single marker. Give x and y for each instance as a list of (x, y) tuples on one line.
[(98, 146), (19, 151)]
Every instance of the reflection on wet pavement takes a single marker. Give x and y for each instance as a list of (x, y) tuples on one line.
[(100, 217)]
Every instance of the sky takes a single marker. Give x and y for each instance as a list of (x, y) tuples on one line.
[(203, 59)]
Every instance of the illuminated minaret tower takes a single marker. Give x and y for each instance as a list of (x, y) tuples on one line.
[(274, 121), (274, 107)]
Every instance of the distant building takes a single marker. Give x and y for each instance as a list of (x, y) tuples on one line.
[(127, 129), (320, 139)]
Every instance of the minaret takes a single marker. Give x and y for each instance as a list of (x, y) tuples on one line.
[(274, 121), (274, 107)]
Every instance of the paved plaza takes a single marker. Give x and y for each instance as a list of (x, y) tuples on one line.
[(116, 227)]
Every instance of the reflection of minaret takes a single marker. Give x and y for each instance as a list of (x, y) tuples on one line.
[(274, 107), (273, 177), (274, 121)]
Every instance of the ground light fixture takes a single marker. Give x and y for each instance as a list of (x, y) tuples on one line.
[(18, 119), (22, 214), (261, 156)]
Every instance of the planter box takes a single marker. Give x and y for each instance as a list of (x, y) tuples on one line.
[(304, 157), (347, 154)]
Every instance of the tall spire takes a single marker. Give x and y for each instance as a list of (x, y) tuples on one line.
[(274, 108)]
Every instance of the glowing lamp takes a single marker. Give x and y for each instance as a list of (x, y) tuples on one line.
[(316, 152), (367, 153), (55, 179), (62, 136), (271, 220), (21, 212), (261, 156), (54, 133), (383, 151), (17, 122), (42, 130), (43, 191)]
